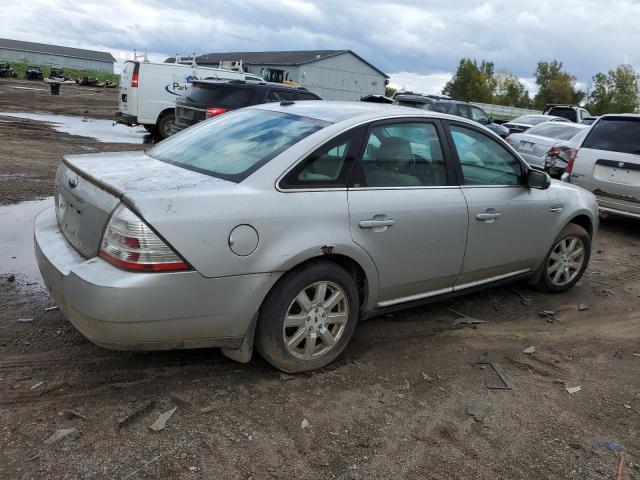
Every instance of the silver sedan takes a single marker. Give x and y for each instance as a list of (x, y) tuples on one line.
[(281, 226), (534, 144)]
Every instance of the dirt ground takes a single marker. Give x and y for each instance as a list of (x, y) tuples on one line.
[(394, 406), (31, 151)]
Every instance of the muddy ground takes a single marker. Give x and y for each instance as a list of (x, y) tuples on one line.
[(394, 406)]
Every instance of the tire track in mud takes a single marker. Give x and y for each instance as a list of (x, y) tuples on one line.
[(68, 379)]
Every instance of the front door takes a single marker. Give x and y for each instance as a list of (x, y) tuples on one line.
[(406, 211), (510, 226)]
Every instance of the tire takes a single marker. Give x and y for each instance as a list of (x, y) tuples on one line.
[(554, 278), (151, 129), (165, 125), (311, 327)]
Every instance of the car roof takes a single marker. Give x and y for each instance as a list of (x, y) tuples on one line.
[(250, 83), (336, 111), (621, 115), (534, 115)]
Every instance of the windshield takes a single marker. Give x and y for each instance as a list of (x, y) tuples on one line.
[(560, 131), (235, 145), (531, 119)]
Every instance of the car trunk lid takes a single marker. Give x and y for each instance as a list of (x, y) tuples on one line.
[(534, 144), (89, 187)]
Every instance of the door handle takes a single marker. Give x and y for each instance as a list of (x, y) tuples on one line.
[(377, 223), (489, 216)]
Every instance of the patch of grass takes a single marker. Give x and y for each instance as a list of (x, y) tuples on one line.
[(21, 67)]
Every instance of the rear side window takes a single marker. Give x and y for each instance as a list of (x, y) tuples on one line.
[(559, 131), (329, 166), (220, 96), (235, 145), (464, 111), (615, 134), (441, 107)]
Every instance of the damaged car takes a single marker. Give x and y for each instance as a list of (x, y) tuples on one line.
[(607, 163), (283, 225)]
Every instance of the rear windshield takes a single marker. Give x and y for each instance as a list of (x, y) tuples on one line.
[(531, 119), (560, 131), (235, 145), (564, 112), (615, 134), (412, 104), (219, 96)]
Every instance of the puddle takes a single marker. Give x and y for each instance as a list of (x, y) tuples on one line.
[(16, 241), (99, 129)]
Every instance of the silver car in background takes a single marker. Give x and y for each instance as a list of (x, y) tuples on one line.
[(534, 144), (525, 122), (607, 163), (284, 225)]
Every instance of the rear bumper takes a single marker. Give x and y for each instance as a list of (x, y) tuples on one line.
[(618, 207), (126, 119), (145, 311)]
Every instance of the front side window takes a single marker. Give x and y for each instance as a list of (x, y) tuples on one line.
[(236, 144), (478, 115), (483, 160), (403, 155), (615, 134)]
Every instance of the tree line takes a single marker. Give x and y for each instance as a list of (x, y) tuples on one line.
[(613, 92)]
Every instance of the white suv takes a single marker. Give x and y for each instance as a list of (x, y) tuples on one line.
[(607, 163)]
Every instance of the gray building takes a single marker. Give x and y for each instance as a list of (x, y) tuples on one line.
[(43, 54), (332, 74)]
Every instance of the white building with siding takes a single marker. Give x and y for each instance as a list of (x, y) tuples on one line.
[(55, 55), (331, 74)]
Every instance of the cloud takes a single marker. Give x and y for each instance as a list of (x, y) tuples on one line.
[(427, 37), (415, 82)]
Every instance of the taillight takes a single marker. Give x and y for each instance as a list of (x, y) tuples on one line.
[(572, 159), (210, 112), (130, 244), (134, 80)]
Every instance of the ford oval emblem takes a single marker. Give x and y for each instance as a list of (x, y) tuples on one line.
[(621, 164), (73, 182)]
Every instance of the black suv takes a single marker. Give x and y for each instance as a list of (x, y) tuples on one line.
[(209, 98), (444, 104), (573, 113)]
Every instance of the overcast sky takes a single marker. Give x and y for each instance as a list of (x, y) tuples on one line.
[(418, 43)]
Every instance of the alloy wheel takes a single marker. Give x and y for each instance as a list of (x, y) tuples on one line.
[(315, 320), (565, 261)]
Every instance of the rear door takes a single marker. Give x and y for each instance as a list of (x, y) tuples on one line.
[(406, 211), (510, 226), (128, 99), (608, 163)]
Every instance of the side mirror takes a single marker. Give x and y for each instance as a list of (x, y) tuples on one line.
[(490, 119), (538, 179)]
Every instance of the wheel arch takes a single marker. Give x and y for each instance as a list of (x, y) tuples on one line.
[(584, 221), (358, 264)]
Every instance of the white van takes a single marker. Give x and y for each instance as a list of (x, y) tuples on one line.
[(148, 91)]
